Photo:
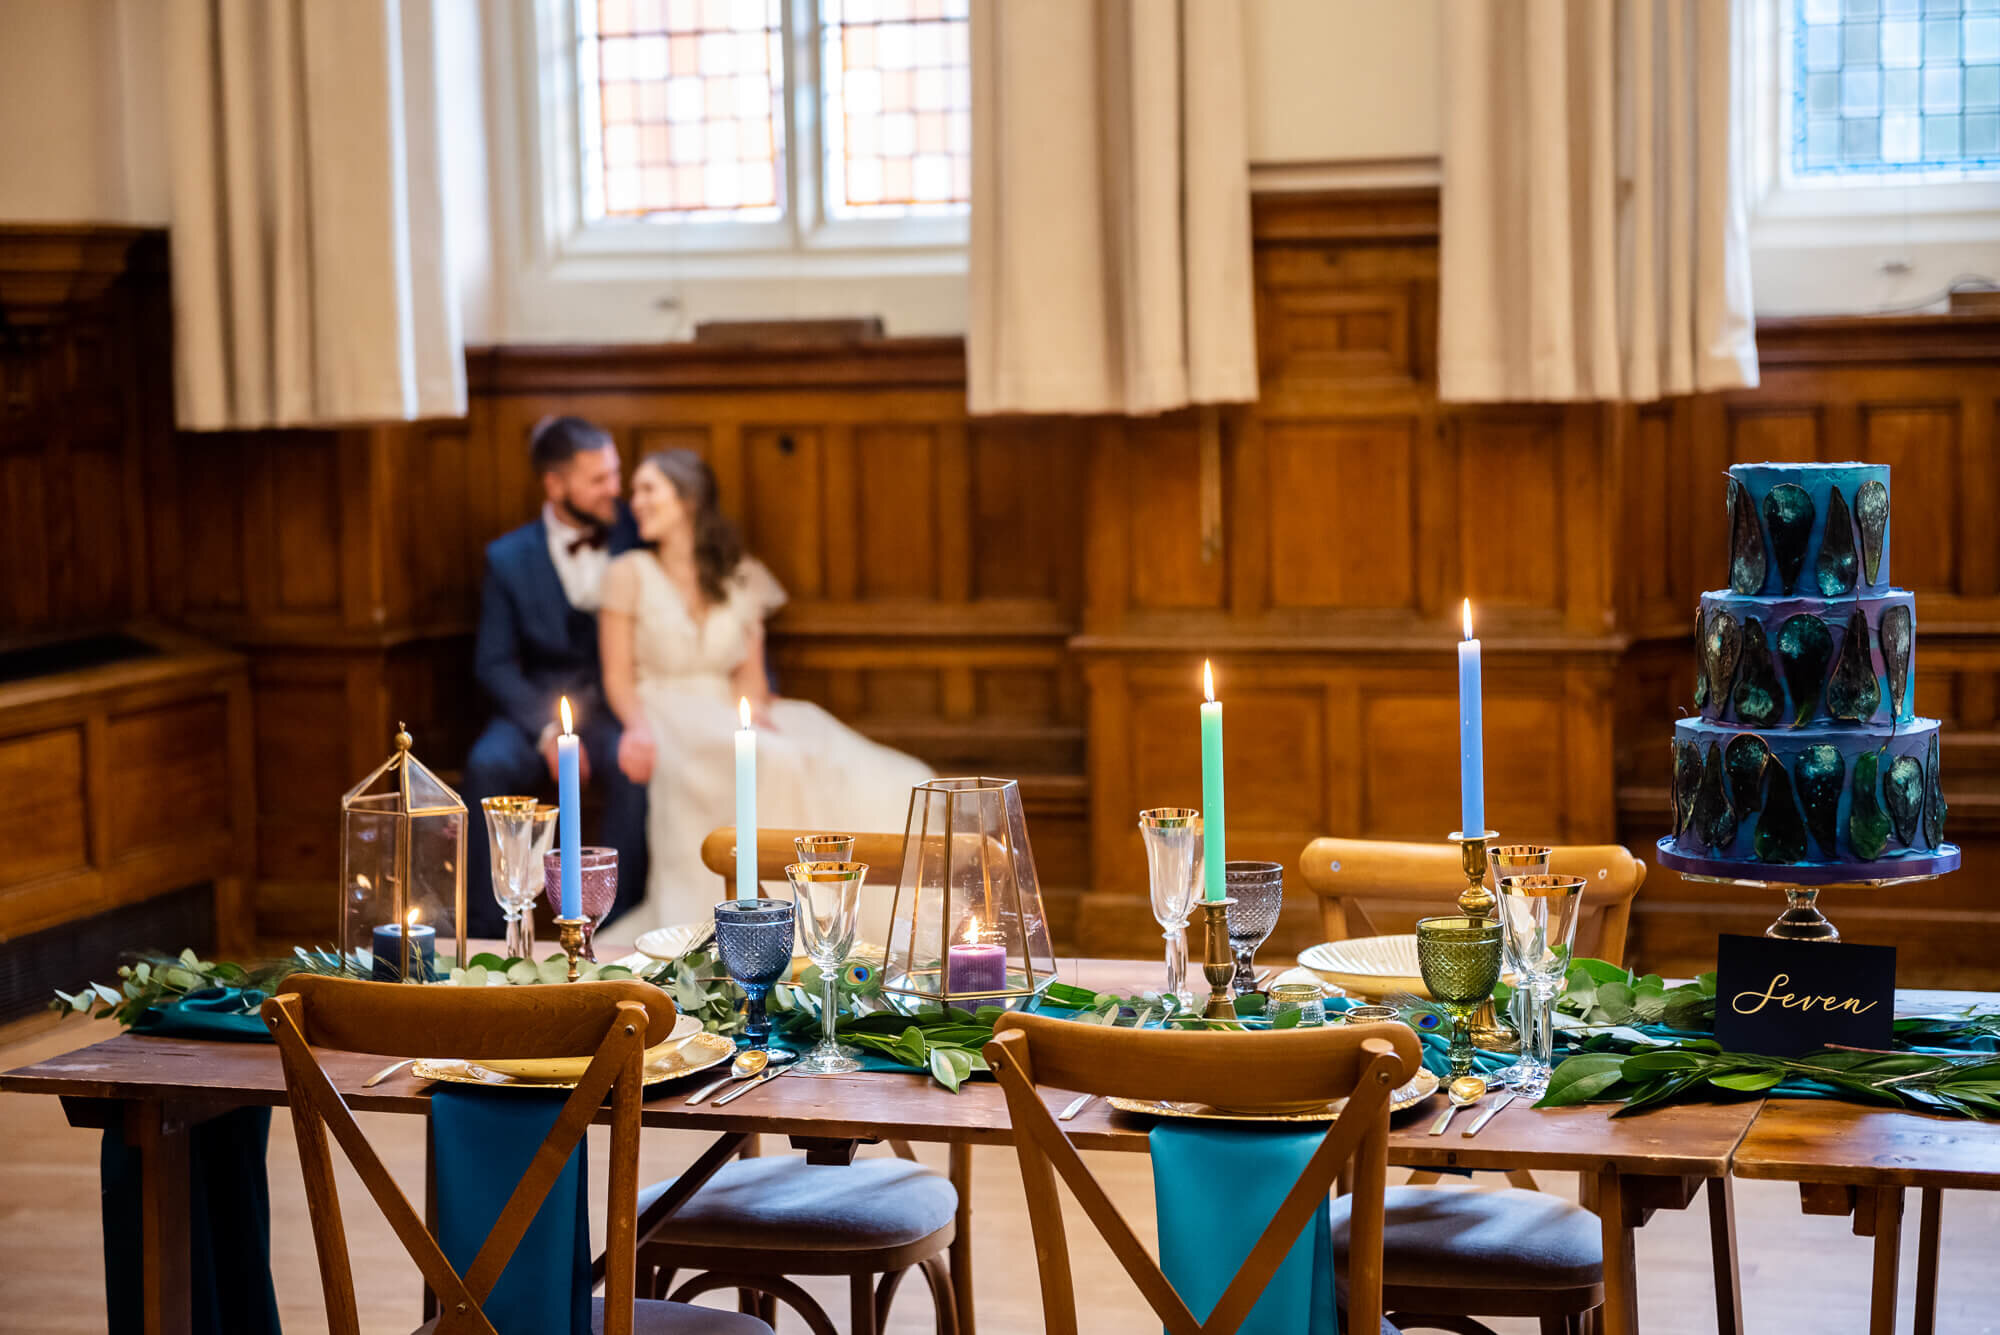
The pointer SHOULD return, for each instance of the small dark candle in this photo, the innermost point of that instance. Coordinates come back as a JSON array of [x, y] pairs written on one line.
[[389, 951]]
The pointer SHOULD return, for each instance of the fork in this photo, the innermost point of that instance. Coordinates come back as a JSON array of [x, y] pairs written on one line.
[[1082, 1101]]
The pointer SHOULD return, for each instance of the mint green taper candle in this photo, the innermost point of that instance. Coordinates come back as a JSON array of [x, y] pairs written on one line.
[[1212, 840]]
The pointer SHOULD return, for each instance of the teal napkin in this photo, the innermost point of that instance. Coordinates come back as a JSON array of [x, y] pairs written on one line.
[[1215, 1189], [228, 1013], [482, 1142]]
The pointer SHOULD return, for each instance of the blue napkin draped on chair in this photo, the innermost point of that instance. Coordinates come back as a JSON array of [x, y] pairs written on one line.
[[482, 1141], [1215, 1189]]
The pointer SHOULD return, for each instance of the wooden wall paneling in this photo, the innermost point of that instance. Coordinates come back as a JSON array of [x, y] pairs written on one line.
[[1341, 520]]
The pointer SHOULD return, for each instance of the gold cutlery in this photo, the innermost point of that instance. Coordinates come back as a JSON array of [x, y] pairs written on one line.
[[764, 1079], [1076, 1106], [1488, 1115], [1461, 1093], [385, 1073]]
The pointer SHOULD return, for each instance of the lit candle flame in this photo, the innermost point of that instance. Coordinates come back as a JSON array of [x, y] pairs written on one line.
[[568, 726], [1466, 609], [1208, 681], [972, 931], [743, 709], [410, 918]]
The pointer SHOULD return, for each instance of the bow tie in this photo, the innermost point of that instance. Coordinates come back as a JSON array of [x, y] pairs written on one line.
[[595, 538]]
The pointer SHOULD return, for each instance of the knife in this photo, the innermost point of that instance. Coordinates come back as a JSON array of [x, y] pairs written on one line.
[[764, 1079], [1488, 1115]]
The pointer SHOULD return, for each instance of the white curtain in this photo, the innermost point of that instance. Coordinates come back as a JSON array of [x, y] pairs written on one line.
[[1594, 228], [309, 270], [1110, 207]]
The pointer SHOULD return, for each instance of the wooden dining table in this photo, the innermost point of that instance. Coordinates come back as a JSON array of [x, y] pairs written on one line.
[[156, 1088]]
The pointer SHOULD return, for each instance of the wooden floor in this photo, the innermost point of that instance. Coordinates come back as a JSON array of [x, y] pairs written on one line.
[[1800, 1274]]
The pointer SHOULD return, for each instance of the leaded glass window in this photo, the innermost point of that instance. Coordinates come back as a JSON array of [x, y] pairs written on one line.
[[1883, 87], [688, 109]]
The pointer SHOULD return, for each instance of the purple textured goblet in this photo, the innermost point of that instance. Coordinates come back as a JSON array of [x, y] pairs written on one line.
[[599, 891]]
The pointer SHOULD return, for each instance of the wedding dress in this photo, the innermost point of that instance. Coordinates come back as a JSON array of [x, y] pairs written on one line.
[[813, 772]]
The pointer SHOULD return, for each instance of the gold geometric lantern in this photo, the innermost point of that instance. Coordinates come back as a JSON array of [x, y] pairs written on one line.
[[967, 928], [402, 871]]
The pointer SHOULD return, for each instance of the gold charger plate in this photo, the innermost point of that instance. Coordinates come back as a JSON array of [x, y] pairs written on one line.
[[697, 1053], [1420, 1087], [572, 1068]]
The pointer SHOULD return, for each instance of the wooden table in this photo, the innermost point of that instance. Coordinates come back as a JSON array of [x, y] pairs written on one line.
[[1849, 1159], [156, 1088], [1853, 1160]]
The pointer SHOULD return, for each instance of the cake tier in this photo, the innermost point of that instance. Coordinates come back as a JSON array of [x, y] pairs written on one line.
[[1759, 666], [1809, 529], [1841, 800]]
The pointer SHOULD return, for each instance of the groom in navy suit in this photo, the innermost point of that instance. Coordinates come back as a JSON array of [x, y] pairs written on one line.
[[537, 643]]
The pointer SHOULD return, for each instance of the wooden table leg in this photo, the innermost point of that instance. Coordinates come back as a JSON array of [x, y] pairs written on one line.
[[1722, 1243], [1888, 1252], [1929, 1219], [1620, 1313], [166, 1284], [961, 1243]]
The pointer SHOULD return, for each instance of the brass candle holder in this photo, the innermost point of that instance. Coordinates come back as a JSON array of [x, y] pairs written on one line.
[[1477, 900], [569, 932], [1218, 964]]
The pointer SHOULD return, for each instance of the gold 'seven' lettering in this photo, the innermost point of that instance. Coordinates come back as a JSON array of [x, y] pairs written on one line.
[[1758, 1000]]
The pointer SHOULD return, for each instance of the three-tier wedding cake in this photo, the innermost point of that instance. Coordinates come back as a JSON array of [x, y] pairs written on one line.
[[1806, 761]]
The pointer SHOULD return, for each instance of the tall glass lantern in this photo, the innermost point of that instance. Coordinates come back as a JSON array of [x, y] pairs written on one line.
[[402, 871], [967, 928]]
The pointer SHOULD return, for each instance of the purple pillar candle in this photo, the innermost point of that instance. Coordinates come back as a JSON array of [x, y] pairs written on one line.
[[975, 968]]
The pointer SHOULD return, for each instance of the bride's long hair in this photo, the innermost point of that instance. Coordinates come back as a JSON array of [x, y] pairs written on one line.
[[718, 547]]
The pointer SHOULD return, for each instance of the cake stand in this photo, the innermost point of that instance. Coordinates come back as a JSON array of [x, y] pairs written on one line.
[[1802, 919]]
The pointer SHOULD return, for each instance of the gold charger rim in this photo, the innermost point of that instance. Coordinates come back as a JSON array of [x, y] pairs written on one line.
[[572, 1068], [714, 1049], [1420, 1087]]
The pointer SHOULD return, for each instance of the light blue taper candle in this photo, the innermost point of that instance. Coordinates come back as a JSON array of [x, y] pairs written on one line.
[[1471, 735], [569, 815], [1212, 843]]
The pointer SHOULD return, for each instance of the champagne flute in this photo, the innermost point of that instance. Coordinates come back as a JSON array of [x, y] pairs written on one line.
[[1459, 957], [1173, 851], [1538, 918], [827, 896]]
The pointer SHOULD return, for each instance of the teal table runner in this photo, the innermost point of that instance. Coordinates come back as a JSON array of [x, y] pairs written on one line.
[[483, 1141], [1215, 1189]]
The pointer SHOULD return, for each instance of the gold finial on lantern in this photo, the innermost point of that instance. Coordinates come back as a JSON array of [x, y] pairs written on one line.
[[402, 735]]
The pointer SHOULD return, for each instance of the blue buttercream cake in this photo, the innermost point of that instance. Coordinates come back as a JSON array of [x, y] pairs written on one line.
[[1805, 760]]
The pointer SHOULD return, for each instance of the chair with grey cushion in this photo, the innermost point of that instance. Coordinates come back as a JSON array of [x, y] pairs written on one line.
[[759, 1221], [1450, 1255]]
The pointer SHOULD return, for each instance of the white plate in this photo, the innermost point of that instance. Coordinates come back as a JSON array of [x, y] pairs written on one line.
[[1368, 966], [670, 943]]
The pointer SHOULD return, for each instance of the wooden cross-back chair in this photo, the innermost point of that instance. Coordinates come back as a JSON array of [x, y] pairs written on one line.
[[613, 1023], [1363, 1064], [882, 852], [1375, 887]]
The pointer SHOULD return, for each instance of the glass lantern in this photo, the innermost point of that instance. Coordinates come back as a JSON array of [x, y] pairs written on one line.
[[967, 928], [402, 872]]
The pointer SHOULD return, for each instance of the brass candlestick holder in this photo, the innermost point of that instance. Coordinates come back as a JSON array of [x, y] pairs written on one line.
[[569, 932], [1477, 900], [1218, 965]]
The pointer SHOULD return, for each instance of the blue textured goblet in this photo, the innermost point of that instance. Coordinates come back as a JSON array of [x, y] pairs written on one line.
[[754, 937]]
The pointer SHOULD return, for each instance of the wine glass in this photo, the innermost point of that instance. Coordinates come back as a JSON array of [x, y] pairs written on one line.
[[1173, 851], [754, 938], [599, 889], [1517, 860], [1460, 961], [824, 847], [1538, 923], [827, 896], [1258, 889], [519, 831]]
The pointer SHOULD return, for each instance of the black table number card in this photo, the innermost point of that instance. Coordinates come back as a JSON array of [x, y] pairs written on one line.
[[1782, 998]]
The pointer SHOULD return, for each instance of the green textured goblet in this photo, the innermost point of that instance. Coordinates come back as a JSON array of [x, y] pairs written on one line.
[[1460, 961]]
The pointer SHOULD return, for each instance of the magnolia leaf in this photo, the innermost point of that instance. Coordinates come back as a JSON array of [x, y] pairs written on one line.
[[1581, 1078], [943, 1071], [523, 972], [1288, 1019], [1615, 1000], [1748, 1082], [1653, 1063], [487, 959]]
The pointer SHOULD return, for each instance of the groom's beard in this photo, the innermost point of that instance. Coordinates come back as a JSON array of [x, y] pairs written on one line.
[[578, 519]]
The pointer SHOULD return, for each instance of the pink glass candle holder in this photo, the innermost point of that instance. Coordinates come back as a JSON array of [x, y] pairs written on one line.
[[600, 888]]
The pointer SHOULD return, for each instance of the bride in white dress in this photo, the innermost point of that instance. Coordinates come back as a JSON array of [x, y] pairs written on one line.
[[681, 638]]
